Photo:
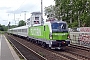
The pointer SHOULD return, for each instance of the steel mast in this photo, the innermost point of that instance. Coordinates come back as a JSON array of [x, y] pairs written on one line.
[[41, 12]]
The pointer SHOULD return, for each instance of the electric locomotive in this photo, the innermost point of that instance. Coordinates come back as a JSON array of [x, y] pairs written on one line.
[[53, 34]]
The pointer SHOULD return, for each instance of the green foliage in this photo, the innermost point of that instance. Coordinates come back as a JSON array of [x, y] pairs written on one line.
[[21, 23], [3, 28], [13, 26], [1, 32], [50, 11], [88, 21], [75, 12]]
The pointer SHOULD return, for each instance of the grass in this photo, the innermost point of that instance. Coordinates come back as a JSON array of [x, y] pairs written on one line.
[[2, 32]]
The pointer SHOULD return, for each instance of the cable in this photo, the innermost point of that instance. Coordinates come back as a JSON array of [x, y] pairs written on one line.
[[20, 5]]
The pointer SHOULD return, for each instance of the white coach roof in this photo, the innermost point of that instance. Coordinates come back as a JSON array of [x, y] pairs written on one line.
[[22, 27]]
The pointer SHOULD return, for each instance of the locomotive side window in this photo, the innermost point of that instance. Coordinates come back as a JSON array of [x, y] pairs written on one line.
[[44, 28]]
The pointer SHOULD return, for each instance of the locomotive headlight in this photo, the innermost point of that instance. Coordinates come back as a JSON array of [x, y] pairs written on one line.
[[63, 42], [68, 36], [51, 42], [50, 37]]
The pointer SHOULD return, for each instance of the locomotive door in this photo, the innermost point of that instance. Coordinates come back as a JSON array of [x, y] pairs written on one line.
[[44, 32]]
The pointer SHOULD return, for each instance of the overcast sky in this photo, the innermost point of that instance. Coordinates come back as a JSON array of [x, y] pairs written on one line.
[[9, 7]]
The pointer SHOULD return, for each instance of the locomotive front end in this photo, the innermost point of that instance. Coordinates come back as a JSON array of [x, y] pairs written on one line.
[[59, 36]]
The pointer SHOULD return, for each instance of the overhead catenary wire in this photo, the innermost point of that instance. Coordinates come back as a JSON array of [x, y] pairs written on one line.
[[20, 5], [17, 10]]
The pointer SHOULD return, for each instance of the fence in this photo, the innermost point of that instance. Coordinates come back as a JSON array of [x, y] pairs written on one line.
[[80, 38]]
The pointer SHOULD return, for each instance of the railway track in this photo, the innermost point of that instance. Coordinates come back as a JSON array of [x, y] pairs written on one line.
[[49, 57], [54, 55], [25, 52], [80, 47], [73, 54], [17, 51], [83, 52]]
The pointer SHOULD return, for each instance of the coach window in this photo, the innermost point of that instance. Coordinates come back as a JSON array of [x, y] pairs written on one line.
[[18, 30], [25, 30], [22, 30]]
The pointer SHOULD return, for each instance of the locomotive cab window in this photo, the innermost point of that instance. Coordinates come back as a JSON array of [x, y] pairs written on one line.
[[59, 27]]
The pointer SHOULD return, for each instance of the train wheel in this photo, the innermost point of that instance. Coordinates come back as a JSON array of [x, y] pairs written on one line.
[[47, 46], [43, 44], [36, 42]]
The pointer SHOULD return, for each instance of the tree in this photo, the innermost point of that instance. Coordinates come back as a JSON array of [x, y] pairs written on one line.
[[21, 23], [75, 12], [3, 28], [50, 11], [13, 26]]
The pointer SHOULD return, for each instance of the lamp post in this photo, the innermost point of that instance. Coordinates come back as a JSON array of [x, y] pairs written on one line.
[[25, 15], [14, 19]]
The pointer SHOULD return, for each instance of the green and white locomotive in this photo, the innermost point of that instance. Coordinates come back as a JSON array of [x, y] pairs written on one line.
[[52, 34]]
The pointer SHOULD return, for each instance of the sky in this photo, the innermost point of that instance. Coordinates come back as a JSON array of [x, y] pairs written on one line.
[[9, 7]]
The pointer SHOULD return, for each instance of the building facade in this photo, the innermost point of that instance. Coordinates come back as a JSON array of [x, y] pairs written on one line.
[[34, 19]]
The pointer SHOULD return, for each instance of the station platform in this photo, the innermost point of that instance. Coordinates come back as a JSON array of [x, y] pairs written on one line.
[[6, 50]]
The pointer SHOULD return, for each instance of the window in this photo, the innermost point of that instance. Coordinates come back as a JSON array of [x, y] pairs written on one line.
[[36, 18], [44, 28], [58, 26], [36, 22]]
